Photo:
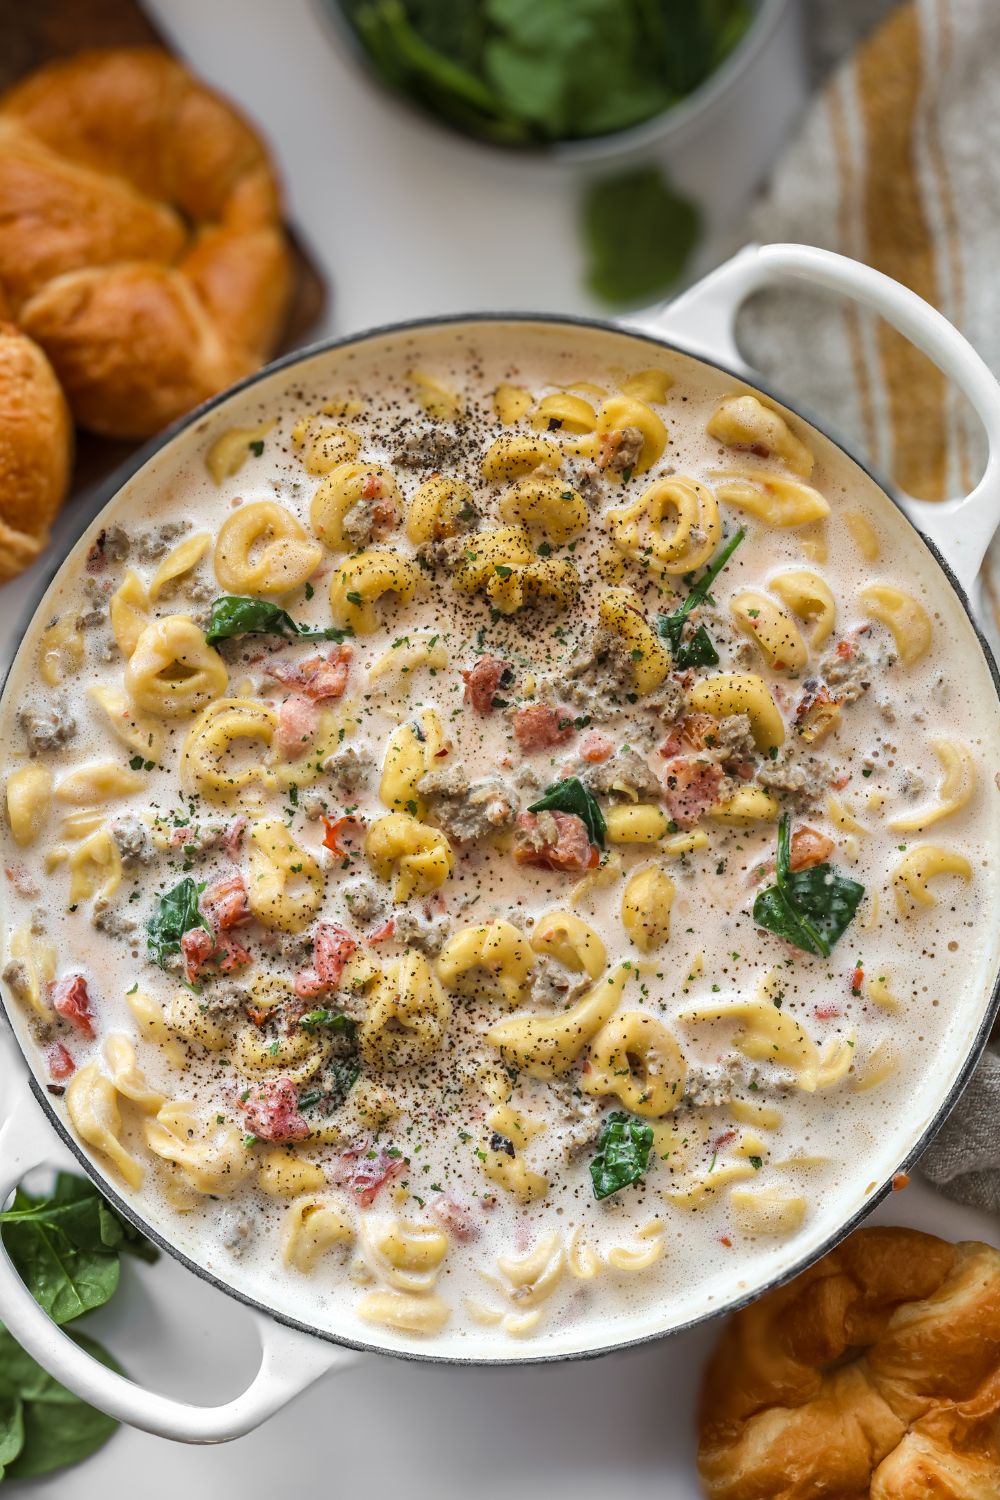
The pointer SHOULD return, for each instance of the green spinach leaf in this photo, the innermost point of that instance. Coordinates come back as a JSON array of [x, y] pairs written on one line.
[[235, 614], [11, 1430], [811, 909], [571, 796], [638, 234], [328, 1020], [699, 650], [622, 1154], [177, 912], [65, 1247], [57, 1428]]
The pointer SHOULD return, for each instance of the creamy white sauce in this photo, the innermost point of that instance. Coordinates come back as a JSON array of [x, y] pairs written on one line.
[[937, 962]]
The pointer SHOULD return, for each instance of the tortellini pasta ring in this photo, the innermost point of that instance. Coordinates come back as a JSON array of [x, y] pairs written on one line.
[[418, 858], [772, 498], [635, 1057], [98, 781], [563, 412], [138, 732], [324, 445], [546, 505], [619, 412], [210, 1155], [29, 796], [771, 628], [919, 866], [741, 693], [285, 887], [221, 727], [646, 902], [547, 1046], [810, 597], [958, 784], [60, 651], [410, 752], [92, 1106], [572, 942], [439, 508], [345, 487], [618, 611], [745, 422], [672, 527], [311, 1227], [493, 958], [406, 1252], [515, 454], [263, 549], [908, 621], [173, 672], [361, 581], [407, 1017]]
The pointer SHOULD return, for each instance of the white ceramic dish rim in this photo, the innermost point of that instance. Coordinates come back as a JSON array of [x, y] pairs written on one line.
[[700, 324]]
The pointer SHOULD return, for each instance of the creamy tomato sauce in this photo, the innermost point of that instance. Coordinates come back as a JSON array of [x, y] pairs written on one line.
[[357, 1028]]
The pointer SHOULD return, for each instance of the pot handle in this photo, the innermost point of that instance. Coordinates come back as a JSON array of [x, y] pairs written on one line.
[[703, 320], [290, 1360]]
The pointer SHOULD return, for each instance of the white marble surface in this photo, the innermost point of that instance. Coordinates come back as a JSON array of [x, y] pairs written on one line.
[[407, 222]]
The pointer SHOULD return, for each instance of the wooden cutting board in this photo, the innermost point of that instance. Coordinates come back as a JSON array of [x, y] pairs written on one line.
[[32, 32]]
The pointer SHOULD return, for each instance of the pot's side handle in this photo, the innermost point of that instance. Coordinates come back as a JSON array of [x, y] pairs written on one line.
[[703, 320], [290, 1361]]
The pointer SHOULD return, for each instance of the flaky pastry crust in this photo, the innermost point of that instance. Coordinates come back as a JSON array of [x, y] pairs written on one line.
[[141, 243], [36, 448], [875, 1375]]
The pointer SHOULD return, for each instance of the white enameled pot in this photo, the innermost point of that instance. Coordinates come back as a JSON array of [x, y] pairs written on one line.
[[697, 328]]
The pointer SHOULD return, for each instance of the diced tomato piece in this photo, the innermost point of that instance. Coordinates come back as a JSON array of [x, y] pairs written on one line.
[[69, 998], [298, 720], [382, 934], [482, 682], [307, 984], [839, 782], [59, 1063], [843, 650], [555, 840], [197, 947], [338, 829], [826, 1012], [725, 1240], [22, 880], [318, 678], [272, 1111], [364, 1171], [596, 746], [332, 947], [694, 732], [857, 980], [539, 726], [808, 848], [229, 953], [234, 836], [454, 1216], [723, 1139], [690, 788], [372, 487], [226, 903]]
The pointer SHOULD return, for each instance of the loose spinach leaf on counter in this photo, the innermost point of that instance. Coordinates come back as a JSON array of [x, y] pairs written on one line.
[[571, 796], [638, 233], [234, 614], [66, 1246], [43, 1426], [329, 1020], [622, 1154], [811, 909], [176, 913], [700, 650]]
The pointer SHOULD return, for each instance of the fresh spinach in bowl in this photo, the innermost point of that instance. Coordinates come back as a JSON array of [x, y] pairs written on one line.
[[530, 72]]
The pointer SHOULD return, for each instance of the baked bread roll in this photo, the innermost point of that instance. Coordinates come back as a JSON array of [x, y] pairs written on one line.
[[875, 1375], [141, 243], [36, 449]]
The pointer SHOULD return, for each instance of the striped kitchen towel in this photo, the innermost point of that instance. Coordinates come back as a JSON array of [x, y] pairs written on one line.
[[898, 164]]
